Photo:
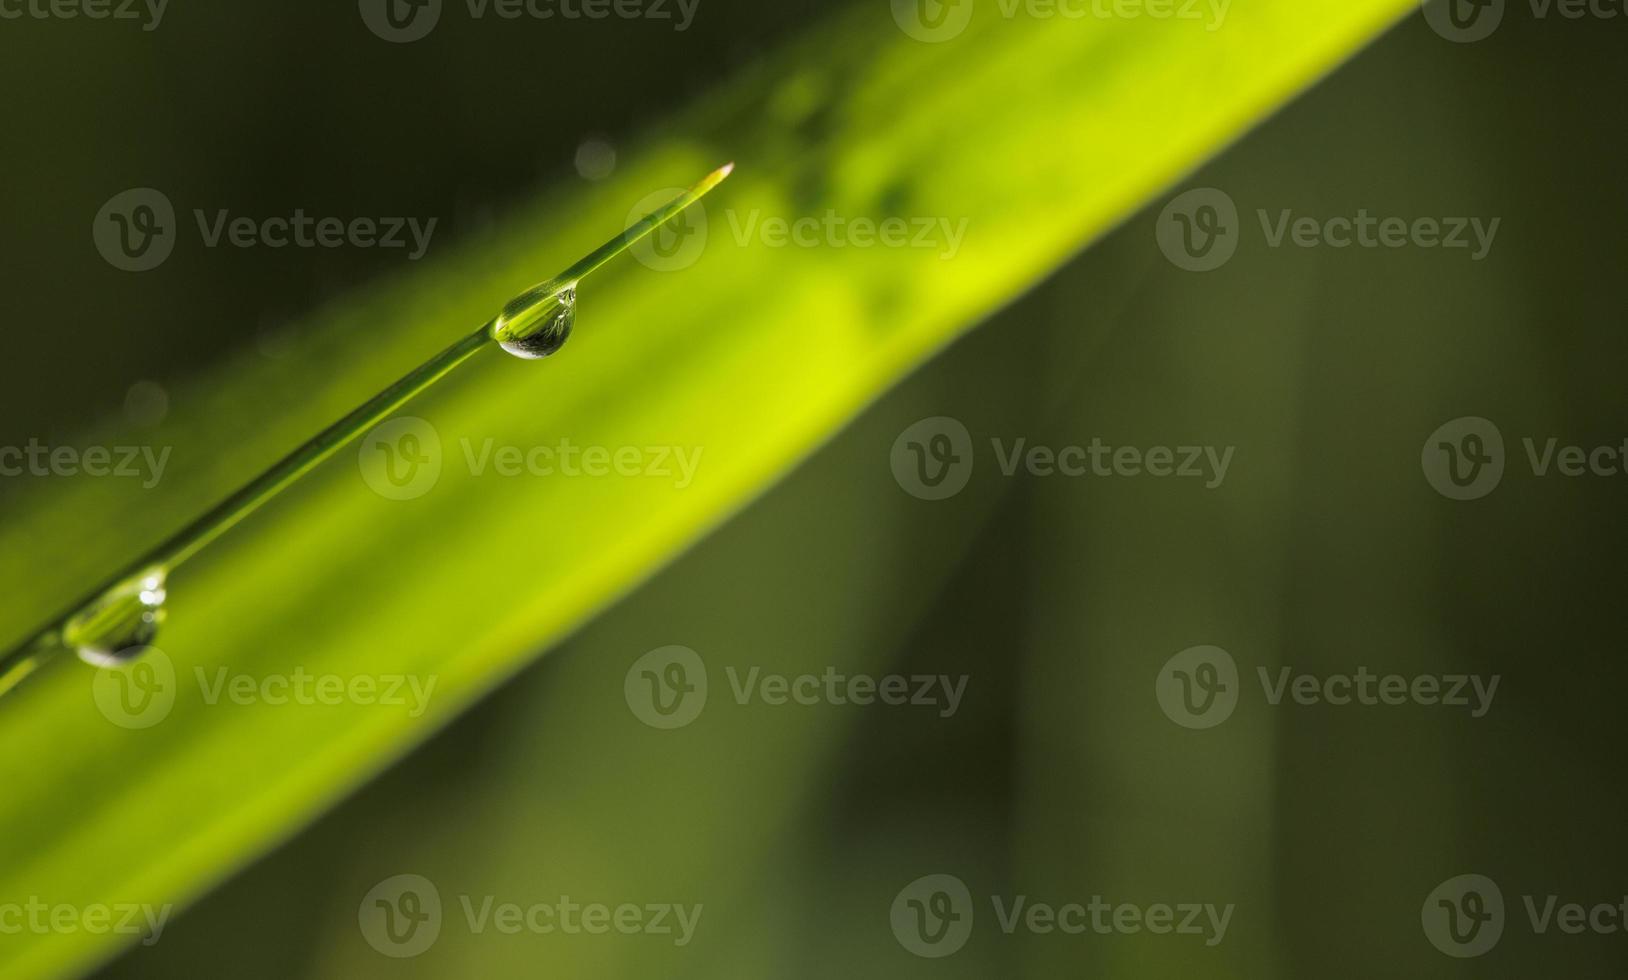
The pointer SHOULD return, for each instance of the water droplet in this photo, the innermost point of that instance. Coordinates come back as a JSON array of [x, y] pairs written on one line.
[[120, 624], [538, 322]]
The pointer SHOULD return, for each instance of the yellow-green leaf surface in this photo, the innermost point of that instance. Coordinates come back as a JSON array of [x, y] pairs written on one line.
[[1037, 133]]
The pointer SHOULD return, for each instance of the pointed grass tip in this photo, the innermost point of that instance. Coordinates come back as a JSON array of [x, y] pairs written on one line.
[[643, 227]]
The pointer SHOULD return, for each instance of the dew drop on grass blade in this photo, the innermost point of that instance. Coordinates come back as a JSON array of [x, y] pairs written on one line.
[[121, 618]]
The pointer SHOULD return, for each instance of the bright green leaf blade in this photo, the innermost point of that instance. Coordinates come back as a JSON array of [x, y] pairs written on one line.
[[1039, 133]]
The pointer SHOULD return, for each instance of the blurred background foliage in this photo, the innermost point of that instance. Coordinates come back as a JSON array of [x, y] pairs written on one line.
[[1059, 778]]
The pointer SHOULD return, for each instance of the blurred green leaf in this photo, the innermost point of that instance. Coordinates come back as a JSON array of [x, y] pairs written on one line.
[[1038, 134]]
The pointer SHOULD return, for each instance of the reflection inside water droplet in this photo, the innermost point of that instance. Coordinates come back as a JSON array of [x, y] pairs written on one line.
[[118, 626], [538, 322]]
